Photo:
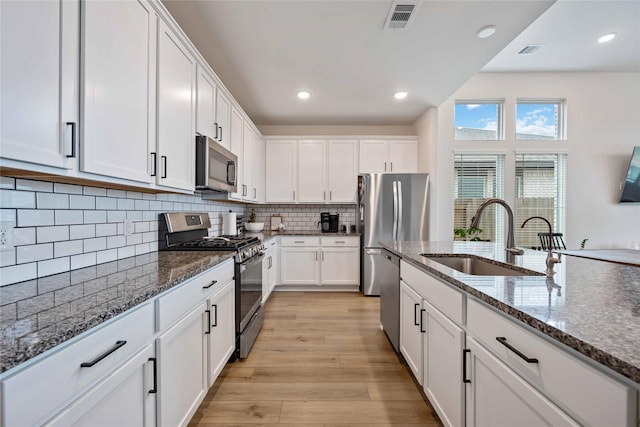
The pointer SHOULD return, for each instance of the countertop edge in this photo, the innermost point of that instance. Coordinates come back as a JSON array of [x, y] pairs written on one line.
[[625, 369]]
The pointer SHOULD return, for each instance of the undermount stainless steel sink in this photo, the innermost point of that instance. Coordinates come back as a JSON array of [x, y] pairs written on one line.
[[477, 266]]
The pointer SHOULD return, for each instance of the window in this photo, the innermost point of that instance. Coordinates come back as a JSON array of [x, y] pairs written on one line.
[[539, 119], [479, 177], [540, 191], [478, 120]]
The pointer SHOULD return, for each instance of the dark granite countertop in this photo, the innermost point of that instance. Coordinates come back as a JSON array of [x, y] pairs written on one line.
[[37, 315], [596, 310]]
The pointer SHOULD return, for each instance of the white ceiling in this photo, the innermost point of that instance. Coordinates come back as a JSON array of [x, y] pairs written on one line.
[[265, 51]]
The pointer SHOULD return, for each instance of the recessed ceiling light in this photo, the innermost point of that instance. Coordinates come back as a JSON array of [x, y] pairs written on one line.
[[400, 95], [303, 94], [485, 32], [607, 38]]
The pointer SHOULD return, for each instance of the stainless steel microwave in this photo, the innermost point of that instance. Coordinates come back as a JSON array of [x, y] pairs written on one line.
[[215, 166]]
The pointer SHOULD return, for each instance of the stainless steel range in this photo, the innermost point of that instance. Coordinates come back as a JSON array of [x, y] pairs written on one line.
[[189, 232]]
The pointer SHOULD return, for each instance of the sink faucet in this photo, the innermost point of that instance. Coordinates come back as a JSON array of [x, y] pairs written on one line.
[[551, 260], [511, 249]]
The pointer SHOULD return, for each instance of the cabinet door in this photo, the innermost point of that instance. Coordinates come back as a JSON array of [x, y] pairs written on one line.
[[223, 118], [299, 266], [248, 154], [119, 89], [373, 156], [176, 108], [341, 171], [412, 328], [259, 168], [237, 145], [206, 99], [125, 398], [182, 369], [443, 345], [311, 172], [403, 156], [274, 271], [340, 266], [281, 171], [222, 336], [496, 396], [39, 47], [266, 270]]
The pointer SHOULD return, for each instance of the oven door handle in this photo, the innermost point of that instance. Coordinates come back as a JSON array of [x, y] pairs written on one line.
[[257, 258]]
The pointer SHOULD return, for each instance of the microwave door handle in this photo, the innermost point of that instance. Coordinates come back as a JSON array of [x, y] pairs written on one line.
[[231, 172]]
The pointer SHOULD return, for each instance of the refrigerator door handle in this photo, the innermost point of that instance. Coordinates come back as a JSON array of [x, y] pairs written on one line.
[[395, 210], [400, 203]]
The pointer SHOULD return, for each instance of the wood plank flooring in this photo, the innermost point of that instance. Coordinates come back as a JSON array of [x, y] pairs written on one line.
[[320, 360]]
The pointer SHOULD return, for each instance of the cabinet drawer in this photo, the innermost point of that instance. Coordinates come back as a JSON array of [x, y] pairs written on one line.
[[290, 241], [590, 396], [334, 241], [36, 393], [175, 303], [442, 296]]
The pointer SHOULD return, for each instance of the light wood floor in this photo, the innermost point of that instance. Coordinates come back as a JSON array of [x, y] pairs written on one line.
[[320, 360]]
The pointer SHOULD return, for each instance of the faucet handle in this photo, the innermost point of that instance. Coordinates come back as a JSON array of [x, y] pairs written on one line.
[[515, 251]]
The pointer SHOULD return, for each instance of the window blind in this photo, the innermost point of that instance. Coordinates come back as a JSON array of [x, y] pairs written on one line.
[[540, 191], [478, 177]]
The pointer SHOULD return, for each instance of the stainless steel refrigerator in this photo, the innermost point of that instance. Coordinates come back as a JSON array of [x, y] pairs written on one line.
[[390, 207]]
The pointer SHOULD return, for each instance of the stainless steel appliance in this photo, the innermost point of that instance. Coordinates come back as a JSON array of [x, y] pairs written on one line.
[[329, 222], [390, 207], [188, 232], [215, 166], [389, 280]]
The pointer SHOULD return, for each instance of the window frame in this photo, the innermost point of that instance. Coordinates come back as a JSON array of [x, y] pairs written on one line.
[[561, 128], [500, 127]]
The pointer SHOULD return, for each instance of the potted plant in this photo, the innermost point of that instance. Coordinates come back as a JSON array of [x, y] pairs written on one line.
[[471, 234], [252, 225]]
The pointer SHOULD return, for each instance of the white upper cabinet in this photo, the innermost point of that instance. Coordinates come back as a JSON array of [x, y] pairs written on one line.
[[311, 172], [223, 118], [206, 116], [388, 156], [281, 171], [176, 112], [247, 158], [39, 81], [237, 148], [342, 171], [118, 89], [259, 169]]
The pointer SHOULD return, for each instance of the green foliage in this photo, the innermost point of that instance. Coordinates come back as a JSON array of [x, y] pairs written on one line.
[[252, 215], [583, 243], [470, 234]]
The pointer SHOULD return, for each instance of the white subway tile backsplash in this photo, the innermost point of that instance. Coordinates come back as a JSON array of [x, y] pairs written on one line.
[[52, 201], [116, 242], [141, 227], [70, 247], [106, 256], [126, 252], [31, 253], [7, 182], [30, 185], [116, 193], [106, 230], [18, 273], [84, 260], [149, 215], [149, 237], [24, 236], [53, 266], [8, 215], [155, 205], [52, 234], [35, 218], [94, 191], [67, 188], [134, 195], [96, 244], [95, 217], [142, 248], [106, 203], [116, 216], [82, 202], [67, 217], [82, 231], [7, 257], [141, 205], [134, 239], [134, 215], [17, 199], [126, 204]]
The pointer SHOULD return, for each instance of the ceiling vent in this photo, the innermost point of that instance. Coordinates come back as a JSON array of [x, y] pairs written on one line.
[[530, 49], [401, 14]]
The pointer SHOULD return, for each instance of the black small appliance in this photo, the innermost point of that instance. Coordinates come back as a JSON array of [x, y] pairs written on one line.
[[329, 222]]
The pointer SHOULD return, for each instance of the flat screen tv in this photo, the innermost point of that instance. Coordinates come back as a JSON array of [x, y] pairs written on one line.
[[631, 190]]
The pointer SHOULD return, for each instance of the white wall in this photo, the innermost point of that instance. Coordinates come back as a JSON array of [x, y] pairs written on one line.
[[603, 125]]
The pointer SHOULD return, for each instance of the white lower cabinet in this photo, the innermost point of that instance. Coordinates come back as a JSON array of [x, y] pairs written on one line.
[[222, 337], [411, 329], [270, 268], [126, 398], [499, 397], [332, 262]]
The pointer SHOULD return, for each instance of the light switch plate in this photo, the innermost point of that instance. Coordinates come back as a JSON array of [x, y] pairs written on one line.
[[128, 227]]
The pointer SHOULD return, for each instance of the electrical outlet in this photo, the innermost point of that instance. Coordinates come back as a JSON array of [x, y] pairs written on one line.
[[6, 235], [128, 227]]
